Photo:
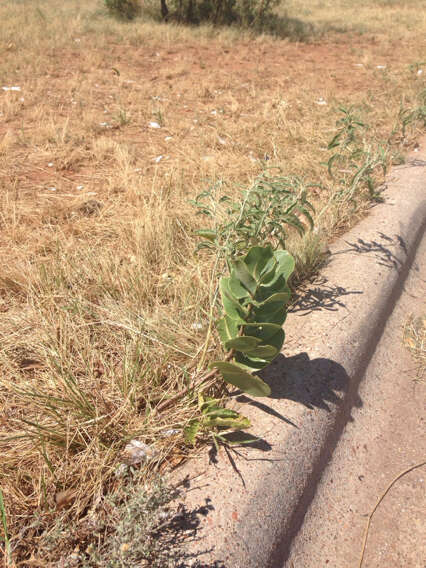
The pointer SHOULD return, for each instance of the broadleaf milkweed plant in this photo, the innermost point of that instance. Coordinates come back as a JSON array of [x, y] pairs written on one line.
[[248, 238]]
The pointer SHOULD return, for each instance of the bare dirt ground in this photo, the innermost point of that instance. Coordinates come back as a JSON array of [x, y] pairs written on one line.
[[210, 98]]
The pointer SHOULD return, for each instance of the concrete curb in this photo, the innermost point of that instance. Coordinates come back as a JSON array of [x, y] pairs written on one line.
[[256, 500]]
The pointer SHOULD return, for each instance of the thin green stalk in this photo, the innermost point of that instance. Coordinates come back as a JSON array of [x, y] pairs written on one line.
[[209, 331], [7, 545]]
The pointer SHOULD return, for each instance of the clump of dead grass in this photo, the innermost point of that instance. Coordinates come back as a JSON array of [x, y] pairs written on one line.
[[414, 338]]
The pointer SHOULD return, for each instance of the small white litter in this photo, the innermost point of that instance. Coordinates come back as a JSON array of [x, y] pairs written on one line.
[[321, 101], [79, 187], [11, 88], [154, 125], [167, 138], [168, 433], [50, 165], [158, 159], [380, 66], [51, 188], [420, 71], [197, 326], [137, 452]]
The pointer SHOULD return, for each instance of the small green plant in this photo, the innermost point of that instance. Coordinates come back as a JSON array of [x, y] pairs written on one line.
[[248, 238], [254, 297], [122, 117], [124, 9], [159, 117], [408, 116], [354, 164], [215, 420], [267, 210]]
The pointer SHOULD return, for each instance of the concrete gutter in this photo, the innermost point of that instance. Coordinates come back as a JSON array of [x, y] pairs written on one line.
[[253, 503]]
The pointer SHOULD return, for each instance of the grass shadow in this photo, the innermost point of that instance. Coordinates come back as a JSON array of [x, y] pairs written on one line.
[[277, 25], [286, 27]]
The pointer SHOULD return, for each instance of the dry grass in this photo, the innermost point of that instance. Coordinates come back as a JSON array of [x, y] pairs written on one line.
[[415, 340], [103, 304]]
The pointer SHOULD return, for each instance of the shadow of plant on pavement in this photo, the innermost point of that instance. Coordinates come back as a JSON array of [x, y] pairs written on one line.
[[313, 383], [380, 249], [319, 296]]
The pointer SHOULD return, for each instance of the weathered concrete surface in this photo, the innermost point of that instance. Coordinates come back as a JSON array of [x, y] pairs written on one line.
[[385, 437], [257, 500]]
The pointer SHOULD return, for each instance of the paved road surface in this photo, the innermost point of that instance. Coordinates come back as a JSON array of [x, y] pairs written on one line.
[[386, 436]]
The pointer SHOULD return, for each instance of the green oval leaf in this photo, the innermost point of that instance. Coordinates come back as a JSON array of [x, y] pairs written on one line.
[[271, 313], [266, 352], [236, 289], [208, 234], [228, 328], [240, 270], [250, 364], [262, 330], [231, 305], [219, 412], [241, 379], [282, 297], [257, 260], [269, 333], [243, 343], [240, 423]]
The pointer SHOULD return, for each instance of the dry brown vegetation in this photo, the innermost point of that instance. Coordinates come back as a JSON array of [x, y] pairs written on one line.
[[415, 340], [103, 302]]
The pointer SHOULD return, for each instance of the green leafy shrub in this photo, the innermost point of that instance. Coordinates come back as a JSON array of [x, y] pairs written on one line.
[[264, 214], [241, 12], [354, 165], [254, 298], [248, 238], [410, 116], [215, 420], [124, 9]]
